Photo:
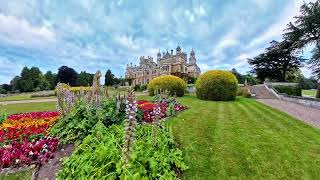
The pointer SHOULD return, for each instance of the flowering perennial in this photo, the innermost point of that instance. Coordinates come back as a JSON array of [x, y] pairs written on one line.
[[20, 153], [148, 109]]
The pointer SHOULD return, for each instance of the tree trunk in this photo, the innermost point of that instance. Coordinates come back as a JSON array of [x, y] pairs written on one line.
[[318, 90]]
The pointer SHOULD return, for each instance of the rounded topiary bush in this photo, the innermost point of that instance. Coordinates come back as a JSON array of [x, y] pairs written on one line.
[[173, 84], [217, 85]]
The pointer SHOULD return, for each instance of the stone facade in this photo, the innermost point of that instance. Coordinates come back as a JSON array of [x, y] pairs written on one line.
[[167, 64]]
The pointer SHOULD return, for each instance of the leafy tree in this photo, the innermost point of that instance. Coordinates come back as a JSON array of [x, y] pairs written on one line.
[[305, 30], [294, 76], [85, 79], [67, 75], [6, 87], [238, 76], [15, 83], [251, 80], [278, 59], [109, 78], [308, 83], [30, 79], [52, 79], [129, 80]]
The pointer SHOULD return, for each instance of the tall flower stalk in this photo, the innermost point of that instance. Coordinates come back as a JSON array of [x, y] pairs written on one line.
[[130, 127]]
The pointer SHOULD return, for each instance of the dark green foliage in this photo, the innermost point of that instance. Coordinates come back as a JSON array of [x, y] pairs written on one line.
[[239, 76], [274, 64], [136, 87], [289, 90], [304, 31], [6, 87], [2, 91], [109, 78], [80, 121], [67, 75], [52, 79], [84, 79], [251, 80], [143, 87], [217, 85], [308, 83], [99, 155]]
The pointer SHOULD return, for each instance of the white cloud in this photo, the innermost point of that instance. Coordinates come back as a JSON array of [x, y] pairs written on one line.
[[276, 29], [242, 59], [230, 39], [203, 67], [9, 69], [20, 32]]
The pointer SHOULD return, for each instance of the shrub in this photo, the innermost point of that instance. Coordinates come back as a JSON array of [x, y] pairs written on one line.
[[136, 87], [3, 91], [83, 117], [43, 94], [173, 84], [217, 85], [244, 92], [289, 90], [143, 87]]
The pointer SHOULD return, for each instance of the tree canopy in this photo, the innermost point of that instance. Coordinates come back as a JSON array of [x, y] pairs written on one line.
[[67, 75], [276, 62]]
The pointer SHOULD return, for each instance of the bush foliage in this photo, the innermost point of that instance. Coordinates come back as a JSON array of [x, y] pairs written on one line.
[[289, 90], [244, 92], [217, 85], [173, 84], [99, 156]]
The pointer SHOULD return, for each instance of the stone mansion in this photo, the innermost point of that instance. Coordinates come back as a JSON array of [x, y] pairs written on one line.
[[167, 64]]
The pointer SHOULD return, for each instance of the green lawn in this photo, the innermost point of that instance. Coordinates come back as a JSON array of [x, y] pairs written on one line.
[[309, 93], [245, 139], [28, 107], [21, 97]]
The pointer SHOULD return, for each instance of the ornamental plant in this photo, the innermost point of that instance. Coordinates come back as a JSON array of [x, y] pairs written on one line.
[[217, 85], [99, 156], [173, 84], [26, 152], [129, 127]]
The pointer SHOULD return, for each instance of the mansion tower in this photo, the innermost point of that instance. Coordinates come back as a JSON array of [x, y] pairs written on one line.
[[167, 64]]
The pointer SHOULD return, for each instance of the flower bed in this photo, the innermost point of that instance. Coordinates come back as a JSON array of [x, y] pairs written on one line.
[[167, 108], [25, 153], [20, 142], [22, 126]]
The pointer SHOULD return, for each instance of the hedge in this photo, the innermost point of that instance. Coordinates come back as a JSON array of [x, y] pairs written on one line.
[[289, 90], [217, 85], [173, 84]]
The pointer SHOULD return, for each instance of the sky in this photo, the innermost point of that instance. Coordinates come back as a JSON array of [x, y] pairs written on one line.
[[91, 35]]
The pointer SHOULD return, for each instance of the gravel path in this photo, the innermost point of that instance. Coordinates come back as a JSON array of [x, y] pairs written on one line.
[[307, 114]]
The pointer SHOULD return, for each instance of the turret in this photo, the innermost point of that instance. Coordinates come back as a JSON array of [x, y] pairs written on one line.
[[178, 49], [192, 58]]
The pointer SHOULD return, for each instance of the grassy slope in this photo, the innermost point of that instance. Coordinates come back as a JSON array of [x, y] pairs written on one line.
[[28, 107], [245, 139], [309, 93], [22, 97]]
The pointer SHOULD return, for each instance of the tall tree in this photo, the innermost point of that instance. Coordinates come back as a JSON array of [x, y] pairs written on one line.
[[51, 78], [276, 61], [109, 78], [15, 83], [85, 79], [238, 75], [305, 30], [67, 75], [30, 79]]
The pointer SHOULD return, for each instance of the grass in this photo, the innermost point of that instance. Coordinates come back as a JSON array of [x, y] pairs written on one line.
[[28, 107], [245, 139], [21, 97], [309, 93], [20, 175]]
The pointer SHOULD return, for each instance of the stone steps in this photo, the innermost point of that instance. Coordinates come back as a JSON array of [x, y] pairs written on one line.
[[261, 92]]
